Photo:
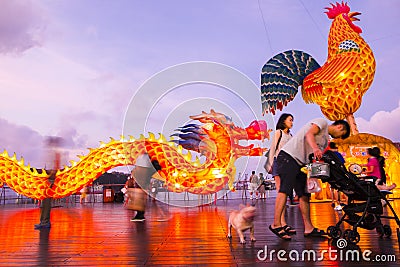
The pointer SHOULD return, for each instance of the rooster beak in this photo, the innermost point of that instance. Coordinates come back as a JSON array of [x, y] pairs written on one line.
[[352, 16]]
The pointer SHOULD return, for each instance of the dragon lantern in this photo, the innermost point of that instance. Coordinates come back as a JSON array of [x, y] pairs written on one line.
[[218, 140]]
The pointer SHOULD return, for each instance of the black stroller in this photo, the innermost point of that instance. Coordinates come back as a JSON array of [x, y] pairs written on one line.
[[364, 208]]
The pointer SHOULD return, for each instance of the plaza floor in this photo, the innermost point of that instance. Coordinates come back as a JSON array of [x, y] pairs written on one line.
[[101, 234]]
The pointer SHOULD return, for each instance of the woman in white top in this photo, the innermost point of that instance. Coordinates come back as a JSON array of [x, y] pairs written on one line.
[[281, 137]]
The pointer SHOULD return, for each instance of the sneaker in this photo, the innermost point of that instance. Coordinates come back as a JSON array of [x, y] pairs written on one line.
[[338, 207], [138, 219], [42, 226]]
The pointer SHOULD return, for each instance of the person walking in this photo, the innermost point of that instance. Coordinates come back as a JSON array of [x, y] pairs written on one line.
[[281, 137], [53, 144], [142, 173]]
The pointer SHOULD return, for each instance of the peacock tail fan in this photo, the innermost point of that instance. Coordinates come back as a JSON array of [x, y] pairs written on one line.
[[281, 77]]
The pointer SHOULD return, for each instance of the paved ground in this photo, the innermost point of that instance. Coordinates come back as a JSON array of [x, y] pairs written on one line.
[[101, 234]]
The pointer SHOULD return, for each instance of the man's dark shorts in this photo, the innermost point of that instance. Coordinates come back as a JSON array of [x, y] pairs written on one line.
[[291, 176]]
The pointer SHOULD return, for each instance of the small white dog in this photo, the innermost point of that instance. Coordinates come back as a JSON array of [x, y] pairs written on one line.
[[242, 220]]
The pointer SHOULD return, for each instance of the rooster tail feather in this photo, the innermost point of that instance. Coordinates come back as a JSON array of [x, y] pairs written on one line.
[[281, 77]]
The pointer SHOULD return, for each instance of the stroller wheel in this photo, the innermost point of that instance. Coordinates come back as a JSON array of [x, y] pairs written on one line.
[[380, 230], [353, 237], [334, 231], [387, 230]]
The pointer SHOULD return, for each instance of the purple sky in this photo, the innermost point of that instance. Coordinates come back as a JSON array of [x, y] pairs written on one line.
[[70, 68]]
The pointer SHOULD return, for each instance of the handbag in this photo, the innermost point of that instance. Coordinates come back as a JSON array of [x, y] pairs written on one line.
[[136, 199], [313, 185], [268, 154]]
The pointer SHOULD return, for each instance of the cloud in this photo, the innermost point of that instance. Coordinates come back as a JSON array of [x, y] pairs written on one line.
[[22, 26], [21, 140], [71, 138], [382, 123], [87, 128], [29, 144]]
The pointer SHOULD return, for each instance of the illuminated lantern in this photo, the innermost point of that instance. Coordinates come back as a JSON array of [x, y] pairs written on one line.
[[338, 86], [220, 144]]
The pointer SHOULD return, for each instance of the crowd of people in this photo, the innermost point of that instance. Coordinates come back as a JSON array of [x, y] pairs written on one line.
[[257, 185]]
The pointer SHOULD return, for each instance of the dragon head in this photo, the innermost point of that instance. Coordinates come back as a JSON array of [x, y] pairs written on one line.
[[258, 130], [218, 134], [343, 10]]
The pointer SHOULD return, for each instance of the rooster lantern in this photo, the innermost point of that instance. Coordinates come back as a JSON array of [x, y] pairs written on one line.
[[338, 86]]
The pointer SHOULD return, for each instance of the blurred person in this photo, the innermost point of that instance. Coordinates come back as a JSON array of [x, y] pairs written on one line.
[[53, 163], [254, 183], [262, 187], [244, 186], [84, 191], [154, 187], [124, 190], [312, 138], [142, 173]]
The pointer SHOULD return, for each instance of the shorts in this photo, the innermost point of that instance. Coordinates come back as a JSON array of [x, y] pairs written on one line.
[[253, 187], [291, 175]]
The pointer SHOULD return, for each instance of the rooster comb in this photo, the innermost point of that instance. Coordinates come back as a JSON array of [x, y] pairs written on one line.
[[337, 9]]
